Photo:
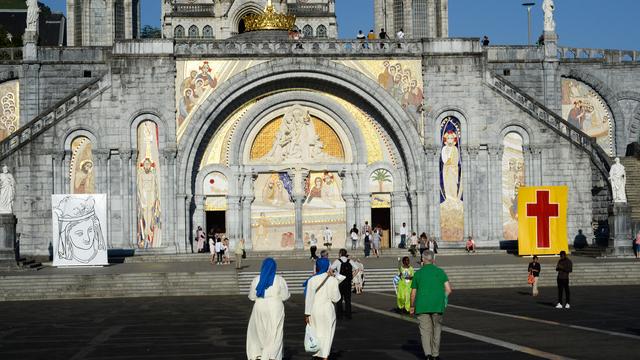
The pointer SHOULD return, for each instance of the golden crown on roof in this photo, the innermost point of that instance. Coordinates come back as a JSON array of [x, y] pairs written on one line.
[[269, 20]]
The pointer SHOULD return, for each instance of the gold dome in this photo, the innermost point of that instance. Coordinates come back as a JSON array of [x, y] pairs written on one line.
[[269, 20]]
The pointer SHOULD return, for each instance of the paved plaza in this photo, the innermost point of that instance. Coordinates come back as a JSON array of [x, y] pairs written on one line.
[[480, 324]]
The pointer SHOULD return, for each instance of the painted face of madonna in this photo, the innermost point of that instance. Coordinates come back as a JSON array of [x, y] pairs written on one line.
[[82, 235]]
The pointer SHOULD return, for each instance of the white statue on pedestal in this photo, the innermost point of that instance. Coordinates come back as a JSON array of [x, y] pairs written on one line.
[[549, 24], [32, 15], [618, 178], [7, 191]]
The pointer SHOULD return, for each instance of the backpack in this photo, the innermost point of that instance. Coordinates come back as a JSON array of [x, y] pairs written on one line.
[[346, 270]]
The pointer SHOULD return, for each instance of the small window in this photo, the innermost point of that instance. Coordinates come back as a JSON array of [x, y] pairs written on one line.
[[307, 31], [87, 73], [207, 32], [193, 31], [178, 32], [321, 32], [506, 72]]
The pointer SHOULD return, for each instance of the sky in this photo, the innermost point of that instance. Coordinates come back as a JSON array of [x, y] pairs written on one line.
[[580, 23]]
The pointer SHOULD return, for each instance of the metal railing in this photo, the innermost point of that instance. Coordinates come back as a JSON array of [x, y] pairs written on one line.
[[608, 55], [315, 46], [10, 54], [552, 120], [53, 115]]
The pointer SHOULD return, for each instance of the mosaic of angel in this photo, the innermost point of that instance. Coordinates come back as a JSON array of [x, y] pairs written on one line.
[[82, 176], [193, 88], [402, 85], [451, 199]]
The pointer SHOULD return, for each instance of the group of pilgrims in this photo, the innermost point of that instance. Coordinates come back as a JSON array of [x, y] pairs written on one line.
[[269, 291]]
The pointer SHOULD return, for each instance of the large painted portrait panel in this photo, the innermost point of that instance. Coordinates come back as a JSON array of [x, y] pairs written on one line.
[[273, 216], [148, 187], [324, 209], [451, 199], [584, 108], [512, 179], [81, 173]]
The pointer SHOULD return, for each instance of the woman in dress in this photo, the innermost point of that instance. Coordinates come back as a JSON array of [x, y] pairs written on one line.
[[377, 236], [403, 296], [265, 333], [358, 276], [200, 236], [321, 293]]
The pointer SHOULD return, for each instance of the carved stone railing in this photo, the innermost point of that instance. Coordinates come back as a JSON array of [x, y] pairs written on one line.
[[607, 55], [53, 115], [193, 10], [552, 120], [10, 54], [311, 47], [309, 9]]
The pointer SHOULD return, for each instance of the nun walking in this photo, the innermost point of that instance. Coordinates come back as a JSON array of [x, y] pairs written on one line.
[[321, 293], [265, 331]]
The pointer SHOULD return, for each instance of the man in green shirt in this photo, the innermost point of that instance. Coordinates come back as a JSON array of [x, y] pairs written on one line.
[[430, 290]]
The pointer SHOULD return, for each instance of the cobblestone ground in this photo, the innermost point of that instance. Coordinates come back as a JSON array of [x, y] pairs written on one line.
[[482, 324]]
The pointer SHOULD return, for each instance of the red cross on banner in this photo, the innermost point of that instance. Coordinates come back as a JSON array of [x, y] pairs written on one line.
[[542, 220]]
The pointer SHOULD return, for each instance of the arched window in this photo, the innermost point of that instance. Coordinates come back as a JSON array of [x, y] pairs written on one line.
[[451, 199], [178, 32], [193, 31], [512, 180], [398, 15], [207, 32], [81, 173], [321, 31], [307, 31], [419, 10]]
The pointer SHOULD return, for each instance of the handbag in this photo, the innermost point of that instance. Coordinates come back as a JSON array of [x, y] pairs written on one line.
[[244, 254], [311, 344], [531, 279]]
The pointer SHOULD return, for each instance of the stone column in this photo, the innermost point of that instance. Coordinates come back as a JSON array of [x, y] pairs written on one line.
[[8, 237], [471, 194], [495, 193], [101, 156], [413, 204], [536, 157], [66, 165], [350, 216], [133, 200], [57, 160], [433, 185], [199, 218], [552, 87], [125, 197], [29, 92], [233, 218], [364, 208], [168, 207], [299, 201], [620, 226], [246, 221]]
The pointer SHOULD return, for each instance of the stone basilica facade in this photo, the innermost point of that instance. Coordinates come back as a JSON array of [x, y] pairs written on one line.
[[274, 140]]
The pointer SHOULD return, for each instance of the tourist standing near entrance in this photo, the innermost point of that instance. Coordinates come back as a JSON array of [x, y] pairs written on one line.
[[321, 292], [219, 249], [366, 233], [534, 270], [423, 244], [327, 234], [201, 239], [212, 248], [344, 267], [239, 253], [265, 332], [313, 246], [413, 244], [564, 268], [403, 297], [375, 241], [430, 290], [403, 236], [353, 234]]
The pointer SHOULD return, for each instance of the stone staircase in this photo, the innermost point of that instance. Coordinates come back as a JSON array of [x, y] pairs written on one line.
[[552, 120], [53, 115], [481, 277], [632, 167], [59, 286]]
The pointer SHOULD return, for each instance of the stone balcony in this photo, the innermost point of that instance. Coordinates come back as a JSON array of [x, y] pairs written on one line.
[[192, 10], [310, 10]]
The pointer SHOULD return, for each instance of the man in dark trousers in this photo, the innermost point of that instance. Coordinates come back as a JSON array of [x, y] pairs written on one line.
[[343, 267], [564, 267]]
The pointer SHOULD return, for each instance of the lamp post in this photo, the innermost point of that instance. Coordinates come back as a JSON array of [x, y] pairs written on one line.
[[529, 5]]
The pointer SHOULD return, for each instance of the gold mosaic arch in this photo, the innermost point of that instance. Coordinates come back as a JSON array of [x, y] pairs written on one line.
[[266, 137]]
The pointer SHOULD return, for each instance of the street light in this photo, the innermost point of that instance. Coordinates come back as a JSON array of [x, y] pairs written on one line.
[[529, 5]]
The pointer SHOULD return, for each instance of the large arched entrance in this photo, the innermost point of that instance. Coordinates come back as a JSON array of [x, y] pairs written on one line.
[[299, 148]]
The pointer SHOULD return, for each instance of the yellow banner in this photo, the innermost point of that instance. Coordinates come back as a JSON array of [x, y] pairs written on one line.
[[542, 220]]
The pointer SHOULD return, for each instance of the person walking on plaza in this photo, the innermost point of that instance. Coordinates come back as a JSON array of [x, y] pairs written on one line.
[[313, 246], [327, 235], [564, 268], [534, 271], [353, 234], [413, 244], [403, 236], [432, 245], [239, 252], [430, 290], [375, 241], [321, 293], [265, 332], [358, 276], [200, 237], [424, 239], [403, 296], [344, 267]]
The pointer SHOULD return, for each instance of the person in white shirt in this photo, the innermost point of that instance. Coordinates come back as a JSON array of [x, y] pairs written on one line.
[[327, 234], [219, 248], [354, 237], [400, 34], [403, 236], [413, 244], [313, 246], [265, 332]]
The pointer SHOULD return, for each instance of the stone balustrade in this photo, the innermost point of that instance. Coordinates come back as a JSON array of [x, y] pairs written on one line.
[[309, 9], [10, 54], [608, 55], [53, 115], [551, 120], [193, 10]]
